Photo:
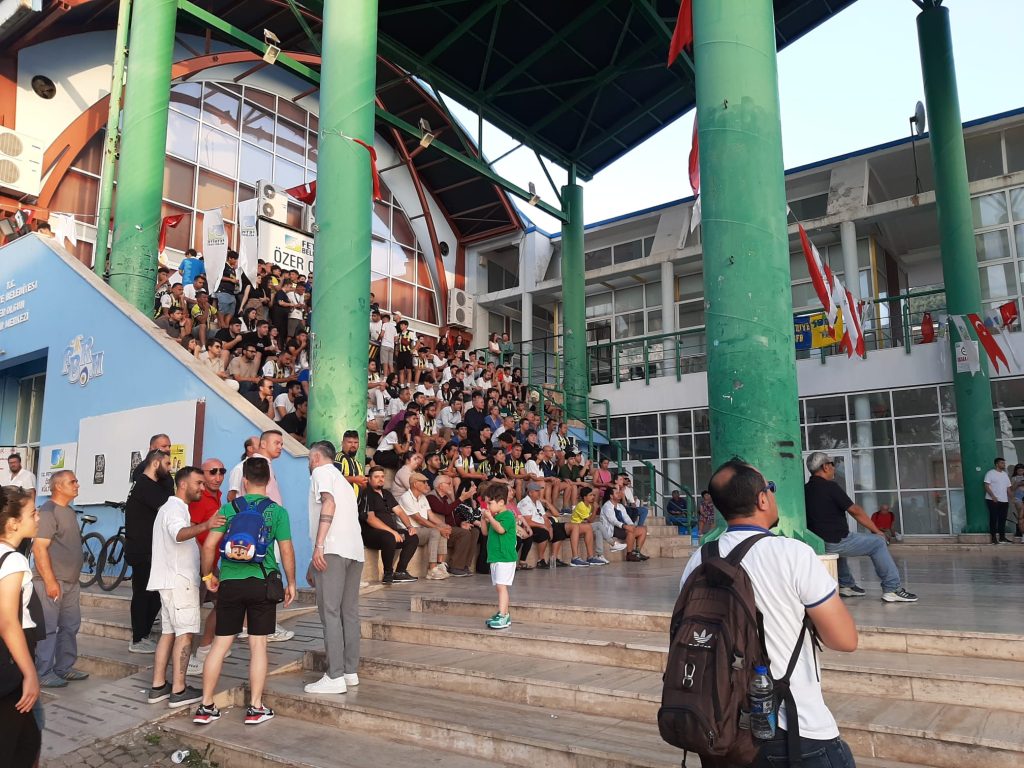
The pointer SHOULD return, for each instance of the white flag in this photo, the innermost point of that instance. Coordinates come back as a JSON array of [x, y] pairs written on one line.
[[64, 228], [966, 348], [215, 246], [695, 214], [247, 252]]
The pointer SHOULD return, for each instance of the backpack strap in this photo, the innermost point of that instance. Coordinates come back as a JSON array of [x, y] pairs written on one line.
[[785, 693]]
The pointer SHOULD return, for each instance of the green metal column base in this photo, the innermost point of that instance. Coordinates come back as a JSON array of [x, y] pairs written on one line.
[[752, 387], [574, 320], [341, 298], [133, 258], [973, 393]]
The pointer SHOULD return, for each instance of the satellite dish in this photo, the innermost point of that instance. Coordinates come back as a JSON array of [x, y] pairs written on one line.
[[919, 119]]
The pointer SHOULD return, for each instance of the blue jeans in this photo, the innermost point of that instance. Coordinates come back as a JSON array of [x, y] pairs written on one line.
[[638, 515], [859, 545], [833, 753]]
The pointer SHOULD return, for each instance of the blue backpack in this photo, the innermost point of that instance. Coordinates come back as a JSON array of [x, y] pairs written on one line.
[[248, 536]]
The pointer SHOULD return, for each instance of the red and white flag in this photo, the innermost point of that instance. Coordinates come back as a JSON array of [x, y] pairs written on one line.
[[821, 277], [694, 162], [304, 193], [682, 36], [988, 342], [853, 336], [1008, 313], [167, 222]]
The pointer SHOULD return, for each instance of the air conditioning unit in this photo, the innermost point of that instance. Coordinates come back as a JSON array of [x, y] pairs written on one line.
[[309, 219], [460, 308], [21, 163], [273, 202]]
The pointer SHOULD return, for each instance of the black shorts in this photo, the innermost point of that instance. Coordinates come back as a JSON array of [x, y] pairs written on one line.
[[245, 599], [558, 529], [404, 361], [620, 533]]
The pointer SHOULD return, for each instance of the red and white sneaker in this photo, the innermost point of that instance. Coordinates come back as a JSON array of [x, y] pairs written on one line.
[[257, 715]]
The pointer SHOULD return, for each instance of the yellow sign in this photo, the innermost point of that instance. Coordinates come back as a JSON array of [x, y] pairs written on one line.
[[820, 336], [177, 457]]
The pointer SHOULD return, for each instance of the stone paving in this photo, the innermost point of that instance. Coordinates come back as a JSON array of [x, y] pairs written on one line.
[[144, 747]]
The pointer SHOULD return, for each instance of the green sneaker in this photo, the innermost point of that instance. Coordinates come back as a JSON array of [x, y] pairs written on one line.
[[495, 617], [500, 621]]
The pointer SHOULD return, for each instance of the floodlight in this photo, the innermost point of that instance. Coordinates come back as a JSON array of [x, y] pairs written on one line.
[[428, 135], [534, 197], [273, 46]]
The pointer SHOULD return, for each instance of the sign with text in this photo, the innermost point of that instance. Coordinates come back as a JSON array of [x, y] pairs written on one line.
[[812, 332], [286, 247]]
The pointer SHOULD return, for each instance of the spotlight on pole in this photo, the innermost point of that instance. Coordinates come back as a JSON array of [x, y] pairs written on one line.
[[428, 135], [273, 46], [534, 197]]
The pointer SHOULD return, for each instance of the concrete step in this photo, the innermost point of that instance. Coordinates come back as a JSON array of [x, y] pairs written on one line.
[[632, 649], [477, 727], [293, 742], [583, 686], [943, 642], [113, 620], [109, 658]]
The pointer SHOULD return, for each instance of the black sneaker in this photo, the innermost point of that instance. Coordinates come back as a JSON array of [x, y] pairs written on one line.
[[389, 578], [157, 695], [257, 715], [899, 596], [852, 591], [183, 698], [404, 576], [458, 572], [641, 555], [560, 564], [206, 714], [543, 565]]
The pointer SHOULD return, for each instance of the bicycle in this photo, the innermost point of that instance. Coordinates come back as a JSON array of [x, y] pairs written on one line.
[[92, 553], [114, 563]]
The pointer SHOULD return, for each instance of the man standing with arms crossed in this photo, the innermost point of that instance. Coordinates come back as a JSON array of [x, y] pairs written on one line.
[[338, 565], [57, 551]]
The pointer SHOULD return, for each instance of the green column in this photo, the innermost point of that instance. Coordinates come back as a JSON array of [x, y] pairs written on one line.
[[576, 376], [752, 389], [341, 296], [959, 258], [133, 258], [110, 141]]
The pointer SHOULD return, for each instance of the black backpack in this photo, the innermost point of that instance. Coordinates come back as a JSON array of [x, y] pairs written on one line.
[[716, 640]]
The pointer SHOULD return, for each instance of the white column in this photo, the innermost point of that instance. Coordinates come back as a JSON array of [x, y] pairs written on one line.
[[668, 318], [863, 473], [851, 266]]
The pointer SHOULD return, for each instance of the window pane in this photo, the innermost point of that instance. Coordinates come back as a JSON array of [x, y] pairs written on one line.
[[984, 156], [179, 237], [262, 98], [628, 252], [599, 258], [823, 409], [676, 445], [258, 126], [1017, 203], [179, 181], [652, 293], [645, 424], [874, 470], [291, 141], [629, 299], [423, 273], [185, 98], [870, 405], [599, 305], [382, 220], [379, 289], [1018, 233], [379, 256], [925, 512], [915, 402], [691, 315], [826, 437], [702, 473], [920, 429], [215, 192], [702, 444], [220, 108], [993, 245], [182, 136], [255, 164], [989, 210], [288, 174], [403, 263], [218, 151], [401, 228], [680, 470], [1014, 138], [1008, 393], [287, 108], [921, 467], [998, 280], [654, 321], [675, 422], [403, 297], [312, 149], [869, 434], [425, 309], [947, 399], [643, 448], [618, 428], [628, 326], [700, 420]]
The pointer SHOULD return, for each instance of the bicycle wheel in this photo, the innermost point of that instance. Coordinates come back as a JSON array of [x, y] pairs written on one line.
[[114, 564], [92, 556]]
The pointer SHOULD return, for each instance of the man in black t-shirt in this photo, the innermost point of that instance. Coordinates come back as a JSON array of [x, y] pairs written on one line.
[[475, 417], [826, 507], [228, 289], [260, 338], [294, 423], [386, 528]]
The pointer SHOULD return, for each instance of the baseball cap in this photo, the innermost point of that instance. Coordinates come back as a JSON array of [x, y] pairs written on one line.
[[817, 460], [535, 486]]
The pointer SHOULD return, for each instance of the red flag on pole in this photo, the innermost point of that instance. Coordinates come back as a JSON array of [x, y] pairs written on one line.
[[821, 277], [167, 222], [1008, 313], [682, 36], [304, 193], [992, 348], [694, 166], [373, 168]]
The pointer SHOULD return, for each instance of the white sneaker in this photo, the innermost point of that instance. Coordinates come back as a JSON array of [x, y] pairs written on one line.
[[326, 685], [280, 635], [243, 635], [352, 679], [443, 566], [618, 546], [145, 645], [602, 558], [195, 666], [437, 573]]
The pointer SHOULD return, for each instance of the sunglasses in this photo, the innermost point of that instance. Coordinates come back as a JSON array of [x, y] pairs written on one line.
[[218, 471], [769, 486]]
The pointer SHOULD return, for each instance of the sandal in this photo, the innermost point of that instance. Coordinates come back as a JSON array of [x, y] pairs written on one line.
[[521, 566]]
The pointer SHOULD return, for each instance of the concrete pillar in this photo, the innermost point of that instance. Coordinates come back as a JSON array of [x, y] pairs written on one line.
[[133, 257], [341, 301], [747, 283], [669, 319], [959, 258], [576, 377], [863, 472], [851, 264], [529, 371]]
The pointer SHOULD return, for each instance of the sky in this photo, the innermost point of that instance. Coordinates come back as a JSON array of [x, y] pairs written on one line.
[[849, 84]]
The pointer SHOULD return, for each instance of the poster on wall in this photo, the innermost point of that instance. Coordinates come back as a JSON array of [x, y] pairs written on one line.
[[52, 459], [99, 469], [177, 457], [288, 248]]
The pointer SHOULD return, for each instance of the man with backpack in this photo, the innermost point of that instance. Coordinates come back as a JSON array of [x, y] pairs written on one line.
[[772, 599], [249, 586]]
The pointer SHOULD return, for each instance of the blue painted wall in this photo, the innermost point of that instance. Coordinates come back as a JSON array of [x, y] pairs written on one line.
[[138, 371]]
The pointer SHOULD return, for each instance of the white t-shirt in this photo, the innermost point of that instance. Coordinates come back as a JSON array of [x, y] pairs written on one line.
[[449, 417], [418, 510], [532, 511], [375, 329], [787, 578], [24, 479], [283, 401], [999, 482], [343, 537], [295, 313], [273, 489], [396, 406], [390, 334], [430, 392], [533, 468], [173, 560], [18, 563], [608, 516], [388, 442]]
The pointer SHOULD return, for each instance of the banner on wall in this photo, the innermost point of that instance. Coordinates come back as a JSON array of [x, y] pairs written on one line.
[[215, 246], [288, 248], [247, 238], [812, 331], [52, 459]]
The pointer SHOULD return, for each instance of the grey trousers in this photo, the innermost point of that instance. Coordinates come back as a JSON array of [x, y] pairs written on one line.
[[58, 653], [337, 598]]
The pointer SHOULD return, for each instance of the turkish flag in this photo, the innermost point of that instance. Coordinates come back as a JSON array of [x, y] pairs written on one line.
[[682, 37], [167, 222], [694, 165], [992, 348], [1008, 312], [304, 193], [373, 168]]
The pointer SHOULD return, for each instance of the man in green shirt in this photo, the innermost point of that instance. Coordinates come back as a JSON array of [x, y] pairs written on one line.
[[242, 595]]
